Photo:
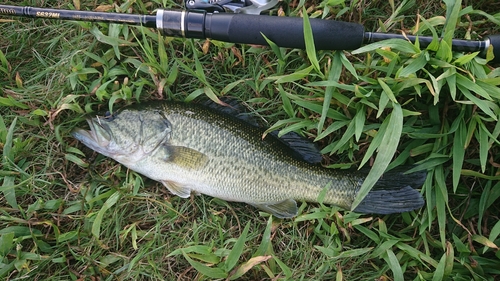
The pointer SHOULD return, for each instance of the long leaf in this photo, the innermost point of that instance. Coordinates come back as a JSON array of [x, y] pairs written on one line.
[[212, 272], [414, 66], [245, 267], [8, 157], [452, 13], [345, 137], [96, 226], [494, 233], [458, 152], [334, 75], [234, 255], [393, 262], [6, 243], [482, 104], [439, 272], [386, 152], [396, 44], [441, 202], [483, 145], [377, 140], [309, 41], [9, 192], [266, 239]]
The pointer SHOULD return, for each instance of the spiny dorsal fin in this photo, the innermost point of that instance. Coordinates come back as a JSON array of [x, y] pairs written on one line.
[[284, 209], [233, 108], [186, 157], [298, 147]]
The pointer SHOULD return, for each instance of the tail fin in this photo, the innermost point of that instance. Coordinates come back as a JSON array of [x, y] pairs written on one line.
[[394, 193]]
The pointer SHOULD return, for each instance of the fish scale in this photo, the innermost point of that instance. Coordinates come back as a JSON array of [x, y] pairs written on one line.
[[190, 148]]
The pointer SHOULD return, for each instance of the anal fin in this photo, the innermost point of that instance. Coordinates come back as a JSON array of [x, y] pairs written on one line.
[[284, 209]]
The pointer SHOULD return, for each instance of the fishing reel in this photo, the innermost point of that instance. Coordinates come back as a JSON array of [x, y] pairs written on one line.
[[254, 7]]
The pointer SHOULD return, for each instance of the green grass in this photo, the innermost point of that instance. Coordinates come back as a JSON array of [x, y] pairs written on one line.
[[67, 212]]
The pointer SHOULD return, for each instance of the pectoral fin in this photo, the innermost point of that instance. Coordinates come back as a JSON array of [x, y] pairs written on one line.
[[284, 209], [186, 157], [177, 189]]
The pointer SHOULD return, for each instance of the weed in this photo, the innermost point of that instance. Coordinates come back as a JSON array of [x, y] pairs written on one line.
[[67, 212]]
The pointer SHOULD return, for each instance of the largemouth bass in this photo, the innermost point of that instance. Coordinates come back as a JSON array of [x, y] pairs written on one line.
[[191, 148]]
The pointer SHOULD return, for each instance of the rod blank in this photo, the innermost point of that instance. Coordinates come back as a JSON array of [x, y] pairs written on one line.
[[32, 12]]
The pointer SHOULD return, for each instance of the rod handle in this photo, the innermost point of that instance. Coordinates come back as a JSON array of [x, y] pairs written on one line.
[[287, 32]]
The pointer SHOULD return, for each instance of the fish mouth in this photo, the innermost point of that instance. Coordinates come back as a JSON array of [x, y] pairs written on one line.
[[97, 138]]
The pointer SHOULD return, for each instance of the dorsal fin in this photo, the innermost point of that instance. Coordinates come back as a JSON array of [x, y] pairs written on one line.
[[233, 108], [299, 147]]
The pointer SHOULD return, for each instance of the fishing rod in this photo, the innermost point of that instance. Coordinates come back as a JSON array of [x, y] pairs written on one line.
[[244, 24]]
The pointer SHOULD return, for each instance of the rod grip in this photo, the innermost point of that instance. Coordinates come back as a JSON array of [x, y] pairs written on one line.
[[286, 32]]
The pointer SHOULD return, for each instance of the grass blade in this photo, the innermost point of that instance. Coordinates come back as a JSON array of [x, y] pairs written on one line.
[[495, 232], [439, 273], [345, 254], [483, 145], [359, 121], [334, 75], [4, 65], [482, 104], [8, 156], [418, 255], [162, 54], [387, 150], [393, 263], [397, 44], [309, 41], [266, 239], [286, 270], [6, 244], [345, 137], [441, 202], [245, 267], [8, 190], [414, 66], [212, 272], [452, 13], [377, 140], [112, 199], [234, 255], [458, 152]]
